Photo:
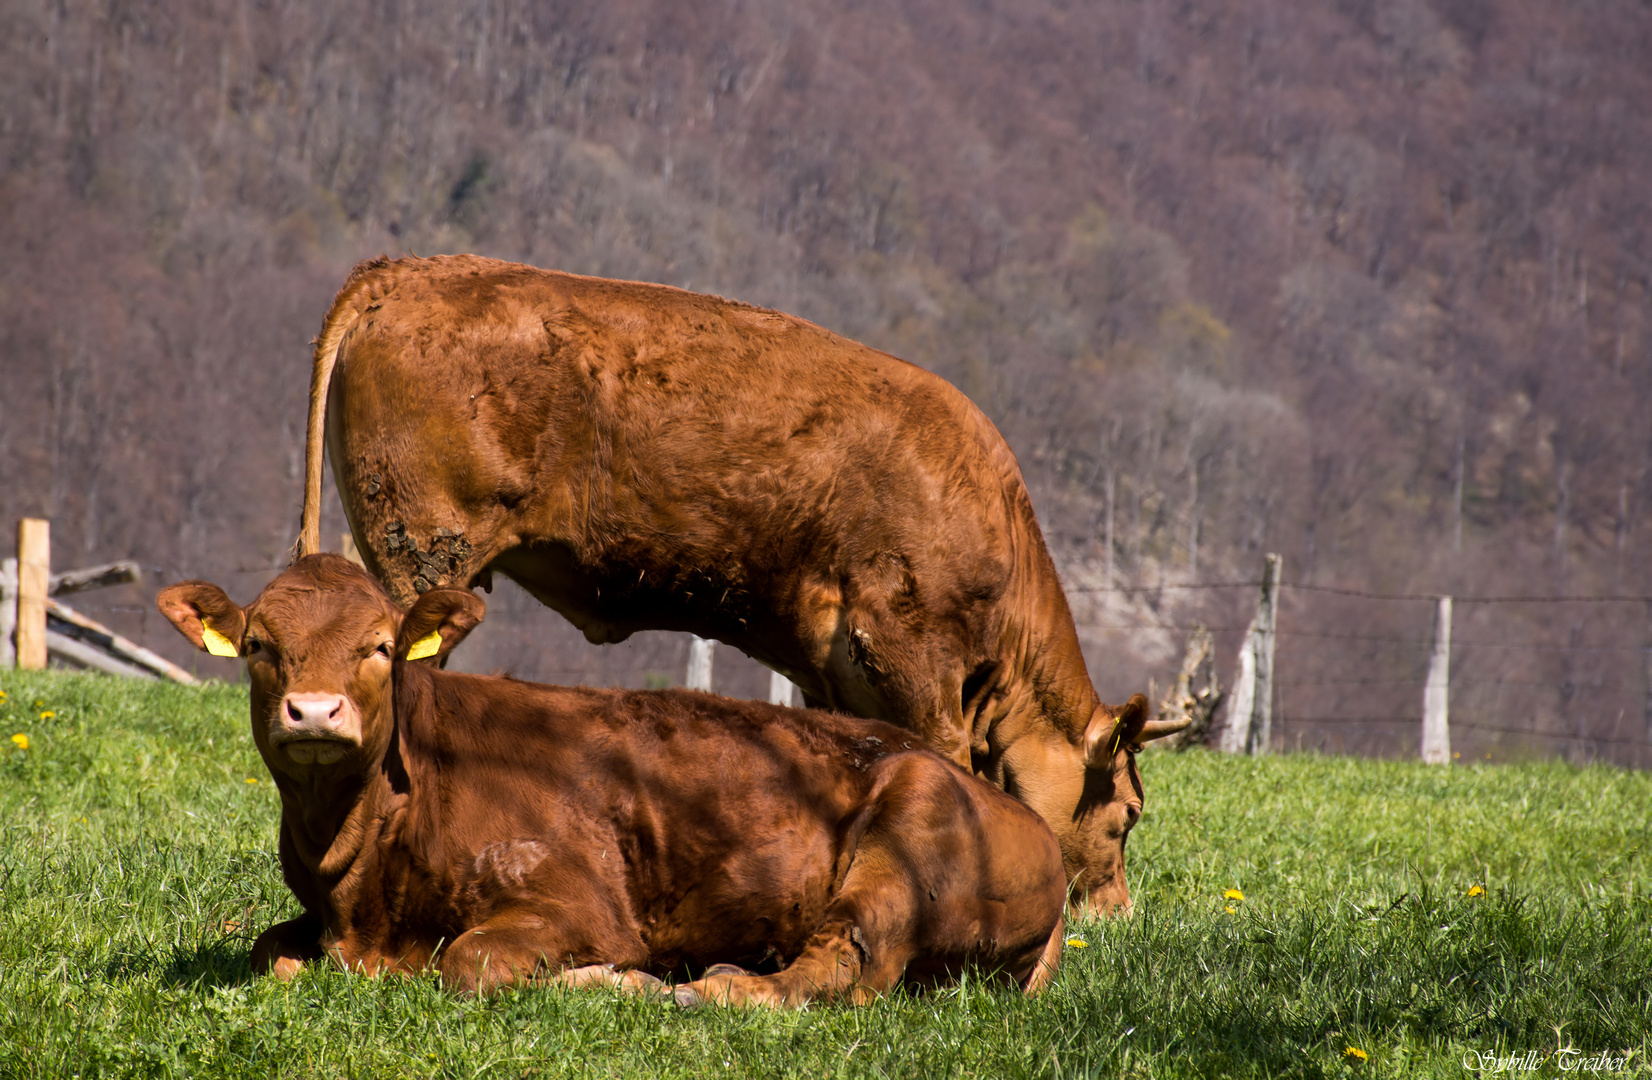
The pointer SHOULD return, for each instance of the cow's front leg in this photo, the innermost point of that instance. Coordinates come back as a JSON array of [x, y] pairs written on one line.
[[520, 945], [600, 975], [830, 968], [284, 948]]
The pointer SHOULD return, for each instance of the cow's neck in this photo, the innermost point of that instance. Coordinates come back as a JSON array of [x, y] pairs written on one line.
[[1051, 684], [334, 841]]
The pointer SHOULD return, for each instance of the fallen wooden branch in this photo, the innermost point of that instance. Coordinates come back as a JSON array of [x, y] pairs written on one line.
[[94, 577], [110, 641], [1186, 699], [78, 652]]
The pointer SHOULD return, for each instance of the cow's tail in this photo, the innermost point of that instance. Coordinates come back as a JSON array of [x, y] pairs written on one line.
[[340, 320]]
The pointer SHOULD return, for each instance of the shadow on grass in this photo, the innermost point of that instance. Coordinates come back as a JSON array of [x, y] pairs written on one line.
[[221, 963]]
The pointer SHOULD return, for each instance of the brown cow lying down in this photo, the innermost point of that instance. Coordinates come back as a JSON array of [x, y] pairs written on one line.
[[500, 831], [639, 457]]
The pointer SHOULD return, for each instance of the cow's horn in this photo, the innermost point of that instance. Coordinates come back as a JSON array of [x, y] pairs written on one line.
[[1158, 729]]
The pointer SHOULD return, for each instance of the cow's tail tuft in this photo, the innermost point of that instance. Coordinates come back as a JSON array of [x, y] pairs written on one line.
[[340, 320]]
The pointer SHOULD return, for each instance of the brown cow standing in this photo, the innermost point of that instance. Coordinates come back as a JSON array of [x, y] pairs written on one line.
[[641, 457], [501, 831]]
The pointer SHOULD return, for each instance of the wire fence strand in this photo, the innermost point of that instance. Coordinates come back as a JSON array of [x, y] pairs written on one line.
[[1585, 694]]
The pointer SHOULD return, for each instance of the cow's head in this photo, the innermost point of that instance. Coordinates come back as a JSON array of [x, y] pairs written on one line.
[[1091, 794], [319, 643]]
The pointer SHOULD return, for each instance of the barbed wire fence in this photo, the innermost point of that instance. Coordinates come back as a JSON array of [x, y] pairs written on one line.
[[1530, 676]]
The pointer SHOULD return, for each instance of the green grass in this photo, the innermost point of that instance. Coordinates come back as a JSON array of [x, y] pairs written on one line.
[[137, 863]]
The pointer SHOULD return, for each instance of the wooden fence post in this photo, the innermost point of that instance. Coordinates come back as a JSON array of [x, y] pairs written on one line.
[[780, 689], [1237, 731], [699, 662], [1267, 621], [1646, 661], [1250, 710], [8, 612], [1437, 692], [34, 577]]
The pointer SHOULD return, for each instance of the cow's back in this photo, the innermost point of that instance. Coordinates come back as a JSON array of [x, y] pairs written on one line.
[[702, 812], [725, 826], [642, 457], [622, 413]]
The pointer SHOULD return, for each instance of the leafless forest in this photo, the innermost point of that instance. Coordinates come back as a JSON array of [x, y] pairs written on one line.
[[1366, 284]]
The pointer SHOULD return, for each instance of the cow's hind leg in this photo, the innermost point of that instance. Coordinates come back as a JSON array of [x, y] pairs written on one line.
[[870, 930], [945, 873]]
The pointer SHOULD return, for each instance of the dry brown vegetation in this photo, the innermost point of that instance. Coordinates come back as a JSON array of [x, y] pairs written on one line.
[[1366, 284]]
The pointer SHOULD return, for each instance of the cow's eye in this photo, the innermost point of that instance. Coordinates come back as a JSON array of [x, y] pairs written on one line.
[[383, 650], [254, 646]]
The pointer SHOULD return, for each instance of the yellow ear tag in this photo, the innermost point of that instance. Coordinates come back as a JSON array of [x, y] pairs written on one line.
[[1118, 735], [216, 643], [429, 645]]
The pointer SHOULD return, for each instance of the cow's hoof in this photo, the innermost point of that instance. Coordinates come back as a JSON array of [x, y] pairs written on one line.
[[686, 998], [724, 969], [640, 982], [286, 968]]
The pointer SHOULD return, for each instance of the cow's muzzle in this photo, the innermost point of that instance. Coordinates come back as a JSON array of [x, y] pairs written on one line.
[[315, 729]]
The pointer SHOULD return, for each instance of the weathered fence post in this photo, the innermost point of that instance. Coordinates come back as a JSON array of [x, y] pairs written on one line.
[[43, 627], [347, 548], [1250, 710], [699, 662], [1646, 660], [1437, 692], [8, 612], [780, 689], [1267, 620], [1237, 730], [34, 577]]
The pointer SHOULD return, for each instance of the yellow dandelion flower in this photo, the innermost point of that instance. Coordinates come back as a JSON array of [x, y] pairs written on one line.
[[1354, 1053], [1231, 910], [1233, 894], [2, 695], [47, 715], [252, 779], [39, 703], [1077, 943], [1476, 890], [21, 740]]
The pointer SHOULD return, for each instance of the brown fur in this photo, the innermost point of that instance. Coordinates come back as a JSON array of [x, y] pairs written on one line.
[[501, 831], [641, 457]]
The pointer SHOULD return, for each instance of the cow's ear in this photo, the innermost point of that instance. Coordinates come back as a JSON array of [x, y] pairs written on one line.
[[205, 615], [437, 622], [1108, 731]]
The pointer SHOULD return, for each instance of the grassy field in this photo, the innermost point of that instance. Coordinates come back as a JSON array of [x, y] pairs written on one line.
[[137, 864]]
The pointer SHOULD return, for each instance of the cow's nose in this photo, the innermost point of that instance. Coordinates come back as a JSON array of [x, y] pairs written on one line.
[[313, 712], [1110, 903]]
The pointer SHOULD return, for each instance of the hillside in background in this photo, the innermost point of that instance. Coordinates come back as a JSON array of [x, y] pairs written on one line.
[[1364, 284]]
